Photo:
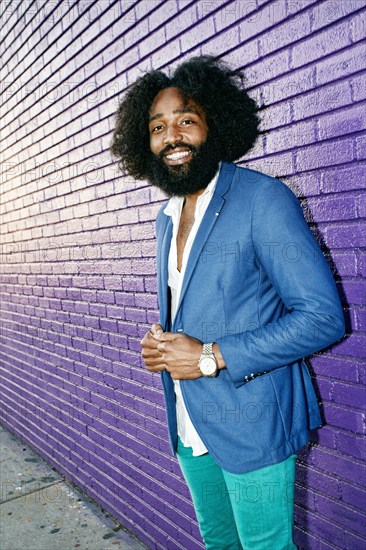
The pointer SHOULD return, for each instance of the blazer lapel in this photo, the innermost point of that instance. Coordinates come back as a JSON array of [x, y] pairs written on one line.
[[209, 219], [164, 240]]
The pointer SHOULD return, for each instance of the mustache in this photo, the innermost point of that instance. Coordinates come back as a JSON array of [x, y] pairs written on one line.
[[180, 144]]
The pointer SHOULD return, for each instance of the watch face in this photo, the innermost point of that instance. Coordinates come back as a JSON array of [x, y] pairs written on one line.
[[208, 366]]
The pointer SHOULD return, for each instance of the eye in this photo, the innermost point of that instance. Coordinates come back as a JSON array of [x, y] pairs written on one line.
[[156, 128], [187, 121]]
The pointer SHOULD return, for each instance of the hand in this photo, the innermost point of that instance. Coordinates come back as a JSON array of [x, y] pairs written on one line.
[[150, 354], [180, 354]]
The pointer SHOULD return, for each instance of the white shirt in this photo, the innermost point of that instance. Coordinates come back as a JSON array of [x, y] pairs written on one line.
[[186, 430]]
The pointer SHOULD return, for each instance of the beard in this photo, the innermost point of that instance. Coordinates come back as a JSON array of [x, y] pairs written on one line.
[[188, 178]]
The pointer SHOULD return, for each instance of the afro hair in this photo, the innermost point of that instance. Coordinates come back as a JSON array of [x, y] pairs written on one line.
[[230, 113]]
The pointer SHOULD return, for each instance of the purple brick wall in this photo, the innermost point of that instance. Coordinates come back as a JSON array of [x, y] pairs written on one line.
[[78, 270]]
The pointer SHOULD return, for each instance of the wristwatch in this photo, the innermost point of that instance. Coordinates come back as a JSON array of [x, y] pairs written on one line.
[[207, 362]]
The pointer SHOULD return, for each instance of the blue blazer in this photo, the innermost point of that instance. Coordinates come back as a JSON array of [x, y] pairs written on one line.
[[257, 284]]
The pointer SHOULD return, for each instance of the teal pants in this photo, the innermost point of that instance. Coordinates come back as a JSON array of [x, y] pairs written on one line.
[[251, 511]]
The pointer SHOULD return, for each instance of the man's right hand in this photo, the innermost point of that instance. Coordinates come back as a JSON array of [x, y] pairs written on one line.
[[150, 354]]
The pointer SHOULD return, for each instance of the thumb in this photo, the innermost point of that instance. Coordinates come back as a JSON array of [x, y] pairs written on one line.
[[156, 331]]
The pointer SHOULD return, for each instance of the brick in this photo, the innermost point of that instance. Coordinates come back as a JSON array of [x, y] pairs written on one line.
[[362, 264], [361, 148], [361, 317], [347, 236], [353, 541], [253, 21], [270, 67], [146, 301], [288, 32], [318, 526], [326, 437], [342, 418], [130, 329], [362, 373], [125, 298], [322, 100], [341, 65], [341, 466], [354, 496], [354, 346], [115, 312], [336, 511], [344, 178], [291, 137], [142, 231], [293, 83], [187, 17], [338, 124], [214, 45], [329, 208], [127, 216], [197, 35], [329, 12], [99, 336], [161, 14], [321, 44], [321, 155], [278, 166], [358, 89], [152, 42], [144, 266], [357, 26], [354, 292], [345, 263], [353, 396], [351, 445], [275, 116]]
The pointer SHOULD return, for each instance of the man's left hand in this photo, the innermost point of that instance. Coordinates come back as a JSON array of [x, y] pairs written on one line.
[[181, 354]]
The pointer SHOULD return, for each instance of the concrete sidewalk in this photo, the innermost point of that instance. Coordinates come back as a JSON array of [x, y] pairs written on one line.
[[40, 511]]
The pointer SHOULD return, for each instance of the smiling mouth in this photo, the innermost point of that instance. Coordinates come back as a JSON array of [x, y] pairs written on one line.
[[177, 155]]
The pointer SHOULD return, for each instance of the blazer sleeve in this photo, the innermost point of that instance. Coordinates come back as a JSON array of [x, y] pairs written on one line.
[[291, 259]]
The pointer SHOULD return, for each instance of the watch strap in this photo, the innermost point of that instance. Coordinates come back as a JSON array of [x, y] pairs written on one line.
[[207, 349]]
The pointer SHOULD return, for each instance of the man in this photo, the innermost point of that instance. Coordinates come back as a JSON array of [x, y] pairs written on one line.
[[244, 295]]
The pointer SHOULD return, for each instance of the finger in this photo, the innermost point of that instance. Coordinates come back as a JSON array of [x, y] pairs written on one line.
[[155, 368], [168, 336], [150, 347], [154, 364], [163, 347], [150, 353], [147, 339]]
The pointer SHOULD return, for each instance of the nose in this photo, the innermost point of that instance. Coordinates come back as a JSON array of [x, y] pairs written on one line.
[[172, 135]]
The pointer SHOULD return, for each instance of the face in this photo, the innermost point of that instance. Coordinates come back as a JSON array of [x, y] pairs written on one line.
[[177, 128], [184, 154]]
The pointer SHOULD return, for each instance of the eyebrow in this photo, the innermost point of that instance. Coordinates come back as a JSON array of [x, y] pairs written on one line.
[[177, 112]]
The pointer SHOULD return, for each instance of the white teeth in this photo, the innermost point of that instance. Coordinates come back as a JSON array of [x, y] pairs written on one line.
[[176, 156]]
